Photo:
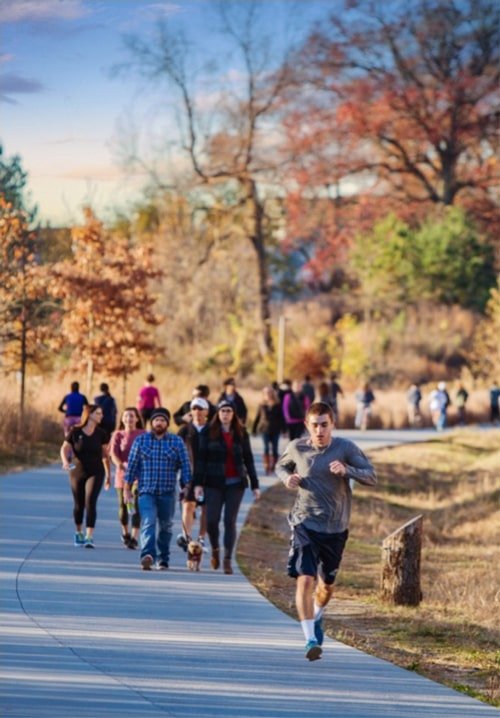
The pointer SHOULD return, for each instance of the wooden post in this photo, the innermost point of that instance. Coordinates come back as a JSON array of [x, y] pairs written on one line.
[[401, 552]]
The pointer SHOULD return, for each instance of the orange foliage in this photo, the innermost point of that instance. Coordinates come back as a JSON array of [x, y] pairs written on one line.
[[403, 107], [24, 304], [107, 303]]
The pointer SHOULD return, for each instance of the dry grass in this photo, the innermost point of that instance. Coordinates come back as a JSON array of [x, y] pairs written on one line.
[[33, 442], [389, 410], [452, 637]]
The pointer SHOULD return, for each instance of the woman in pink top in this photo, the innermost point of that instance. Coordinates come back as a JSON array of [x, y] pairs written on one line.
[[121, 443], [148, 399]]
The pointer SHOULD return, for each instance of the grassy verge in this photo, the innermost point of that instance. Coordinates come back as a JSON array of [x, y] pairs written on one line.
[[19, 456], [34, 442], [452, 637]]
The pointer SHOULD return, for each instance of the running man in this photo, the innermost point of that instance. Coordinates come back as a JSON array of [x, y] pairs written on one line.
[[319, 468]]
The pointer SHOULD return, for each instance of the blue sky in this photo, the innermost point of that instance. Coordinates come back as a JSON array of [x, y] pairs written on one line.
[[61, 109]]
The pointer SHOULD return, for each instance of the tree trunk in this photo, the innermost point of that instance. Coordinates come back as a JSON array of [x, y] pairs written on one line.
[[401, 552], [23, 363], [90, 361], [90, 376], [259, 244], [124, 392]]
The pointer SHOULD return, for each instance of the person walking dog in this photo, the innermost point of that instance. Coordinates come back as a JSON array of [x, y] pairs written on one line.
[[224, 467]]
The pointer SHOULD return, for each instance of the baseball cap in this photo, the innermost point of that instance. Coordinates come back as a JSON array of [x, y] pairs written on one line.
[[200, 402]]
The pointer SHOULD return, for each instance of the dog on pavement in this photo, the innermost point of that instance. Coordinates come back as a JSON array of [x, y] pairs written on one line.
[[194, 555]]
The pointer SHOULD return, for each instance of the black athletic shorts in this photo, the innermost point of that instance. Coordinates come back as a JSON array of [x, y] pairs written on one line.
[[313, 553]]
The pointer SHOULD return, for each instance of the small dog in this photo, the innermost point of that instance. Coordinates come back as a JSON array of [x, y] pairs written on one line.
[[194, 555]]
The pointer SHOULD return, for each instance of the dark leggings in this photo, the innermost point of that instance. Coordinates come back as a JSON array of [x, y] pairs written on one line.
[[229, 497], [123, 511], [86, 490]]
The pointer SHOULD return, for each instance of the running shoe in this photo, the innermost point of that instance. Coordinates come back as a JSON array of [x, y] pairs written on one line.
[[162, 566], [79, 539], [89, 542], [133, 544], [318, 631], [313, 650], [146, 562], [125, 540]]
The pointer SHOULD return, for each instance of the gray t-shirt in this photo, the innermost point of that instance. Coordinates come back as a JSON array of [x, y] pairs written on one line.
[[323, 501]]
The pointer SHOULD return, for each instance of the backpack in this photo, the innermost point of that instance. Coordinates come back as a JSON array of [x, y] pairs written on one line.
[[296, 406]]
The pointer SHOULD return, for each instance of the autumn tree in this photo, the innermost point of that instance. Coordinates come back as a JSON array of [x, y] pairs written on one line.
[[109, 308], [25, 307], [211, 303], [227, 145], [402, 112]]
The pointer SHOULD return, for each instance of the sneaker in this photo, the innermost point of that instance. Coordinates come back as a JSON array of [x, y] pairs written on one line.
[[125, 540], [318, 631], [89, 542], [182, 542], [162, 566], [79, 539], [313, 650], [147, 562], [133, 544]]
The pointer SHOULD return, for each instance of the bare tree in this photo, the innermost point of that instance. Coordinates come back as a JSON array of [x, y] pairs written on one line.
[[229, 145]]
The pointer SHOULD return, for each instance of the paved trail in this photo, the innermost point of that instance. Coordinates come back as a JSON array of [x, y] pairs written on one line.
[[87, 634]]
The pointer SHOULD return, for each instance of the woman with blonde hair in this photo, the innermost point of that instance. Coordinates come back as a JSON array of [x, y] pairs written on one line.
[[84, 455]]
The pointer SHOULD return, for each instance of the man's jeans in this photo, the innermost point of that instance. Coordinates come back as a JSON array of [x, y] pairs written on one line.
[[156, 508]]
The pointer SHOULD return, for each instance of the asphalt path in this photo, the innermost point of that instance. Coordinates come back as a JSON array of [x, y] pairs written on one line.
[[88, 634]]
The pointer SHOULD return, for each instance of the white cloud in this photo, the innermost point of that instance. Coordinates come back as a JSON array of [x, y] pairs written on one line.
[[161, 8], [41, 10]]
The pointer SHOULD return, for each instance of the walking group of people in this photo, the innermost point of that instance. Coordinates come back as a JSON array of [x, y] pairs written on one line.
[[440, 401], [210, 459]]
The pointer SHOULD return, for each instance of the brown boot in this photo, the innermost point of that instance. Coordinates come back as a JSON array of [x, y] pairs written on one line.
[[215, 561], [273, 464], [227, 566], [267, 464]]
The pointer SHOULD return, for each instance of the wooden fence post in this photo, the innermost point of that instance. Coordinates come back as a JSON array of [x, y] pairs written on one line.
[[401, 552]]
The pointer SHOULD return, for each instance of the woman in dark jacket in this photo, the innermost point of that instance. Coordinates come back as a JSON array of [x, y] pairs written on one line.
[[223, 467]]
